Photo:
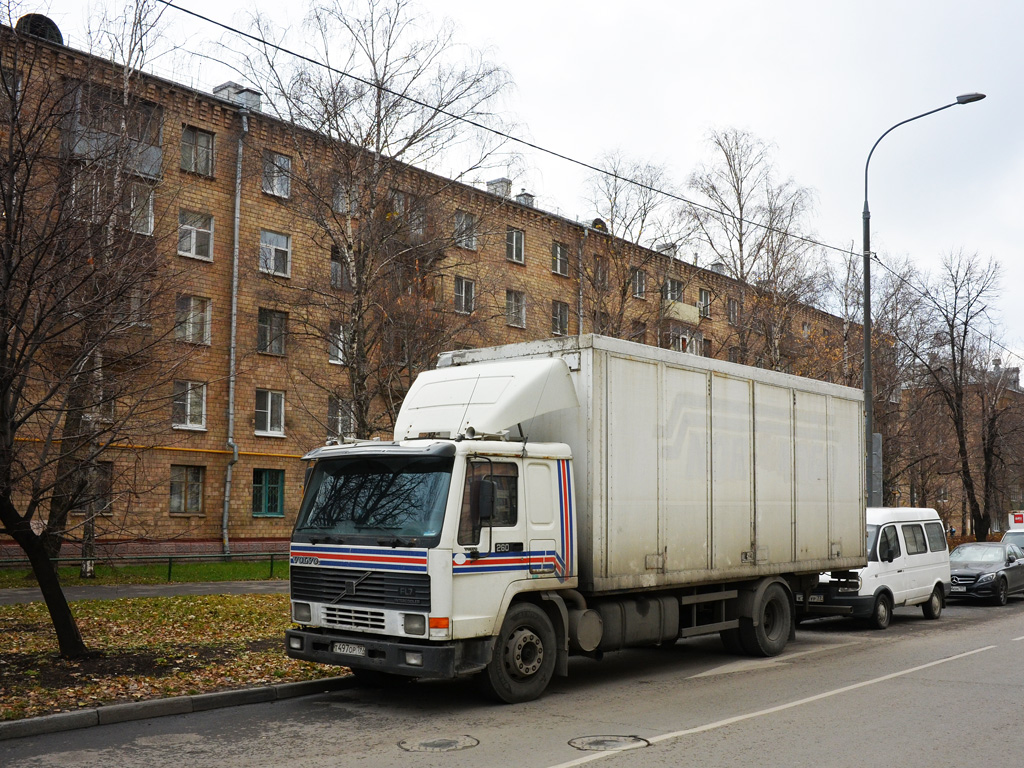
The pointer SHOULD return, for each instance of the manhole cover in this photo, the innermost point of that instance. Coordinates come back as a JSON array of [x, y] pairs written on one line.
[[608, 743], [441, 744]]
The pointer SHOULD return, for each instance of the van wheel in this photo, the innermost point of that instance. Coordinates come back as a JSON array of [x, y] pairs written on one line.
[[775, 620], [932, 609], [881, 615], [524, 656], [1001, 593]]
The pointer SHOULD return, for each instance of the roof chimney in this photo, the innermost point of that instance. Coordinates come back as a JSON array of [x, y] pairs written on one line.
[[239, 94], [525, 198], [500, 187]]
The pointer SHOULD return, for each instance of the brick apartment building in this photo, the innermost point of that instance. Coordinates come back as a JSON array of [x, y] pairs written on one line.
[[262, 300]]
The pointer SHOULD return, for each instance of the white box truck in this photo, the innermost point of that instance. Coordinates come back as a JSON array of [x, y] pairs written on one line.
[[575, 496]]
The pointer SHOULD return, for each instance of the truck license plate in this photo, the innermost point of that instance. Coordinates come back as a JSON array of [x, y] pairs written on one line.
[[955, 588], [350, 649], [816, 598]]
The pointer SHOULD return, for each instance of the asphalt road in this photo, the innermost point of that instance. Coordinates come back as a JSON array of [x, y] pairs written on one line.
[[921, 693]]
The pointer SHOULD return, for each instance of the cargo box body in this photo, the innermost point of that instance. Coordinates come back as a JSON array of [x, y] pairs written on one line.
[[693, 471]]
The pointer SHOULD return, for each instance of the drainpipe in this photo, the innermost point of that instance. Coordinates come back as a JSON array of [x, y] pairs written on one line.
[[225, 543], [579, 276]]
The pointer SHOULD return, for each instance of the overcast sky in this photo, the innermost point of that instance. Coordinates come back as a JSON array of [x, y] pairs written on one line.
[[820, 80]]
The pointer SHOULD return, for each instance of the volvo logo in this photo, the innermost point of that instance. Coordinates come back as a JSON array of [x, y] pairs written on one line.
[[304, 560], [349, 590]]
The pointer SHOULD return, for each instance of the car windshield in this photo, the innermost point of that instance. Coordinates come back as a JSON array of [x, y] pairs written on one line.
[[977, 553], [388, 500]]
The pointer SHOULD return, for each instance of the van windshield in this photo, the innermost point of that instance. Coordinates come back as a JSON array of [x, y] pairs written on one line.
[[376, 500], [872, 540]]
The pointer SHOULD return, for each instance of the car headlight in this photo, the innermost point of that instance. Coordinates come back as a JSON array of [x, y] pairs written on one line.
[[986, 578]]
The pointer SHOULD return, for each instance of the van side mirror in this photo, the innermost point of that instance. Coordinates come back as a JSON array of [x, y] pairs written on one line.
[[482, 495]]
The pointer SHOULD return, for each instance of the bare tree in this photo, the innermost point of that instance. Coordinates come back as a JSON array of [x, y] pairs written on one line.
[[384, 96], [83, 310]]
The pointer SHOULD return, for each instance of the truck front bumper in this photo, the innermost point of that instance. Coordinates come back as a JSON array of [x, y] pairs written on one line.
[[395, 656]]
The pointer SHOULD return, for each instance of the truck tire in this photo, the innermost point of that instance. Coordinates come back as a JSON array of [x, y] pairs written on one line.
[[524, 656], [932, 607], [775, 621], [881, 614]]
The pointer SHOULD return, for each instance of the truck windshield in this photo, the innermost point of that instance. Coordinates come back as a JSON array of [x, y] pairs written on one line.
[[377, 500]]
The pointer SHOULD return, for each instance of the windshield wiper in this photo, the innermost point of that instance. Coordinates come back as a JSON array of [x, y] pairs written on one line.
[[396, 542], [326, 539]]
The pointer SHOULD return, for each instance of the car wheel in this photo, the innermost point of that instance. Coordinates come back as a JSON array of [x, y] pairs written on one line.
[[1001, 594], [881, 614], [932, 608], [524, 656]]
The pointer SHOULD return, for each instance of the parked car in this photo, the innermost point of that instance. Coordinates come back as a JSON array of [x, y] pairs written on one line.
[[908, 564], [1014, 537], [987, 570]]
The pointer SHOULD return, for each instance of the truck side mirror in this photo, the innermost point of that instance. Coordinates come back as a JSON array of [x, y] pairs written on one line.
[[482, 496]]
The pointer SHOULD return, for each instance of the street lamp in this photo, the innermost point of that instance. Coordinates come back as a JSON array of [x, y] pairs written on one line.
[[869, 427]]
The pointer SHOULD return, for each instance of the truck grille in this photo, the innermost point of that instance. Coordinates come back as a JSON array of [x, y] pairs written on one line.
[[349, 586], [353, 618]]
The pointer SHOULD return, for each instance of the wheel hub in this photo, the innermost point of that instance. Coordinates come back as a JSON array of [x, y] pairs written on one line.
[[524, 653]]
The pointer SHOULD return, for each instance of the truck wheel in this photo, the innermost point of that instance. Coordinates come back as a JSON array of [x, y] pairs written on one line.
[[1000, 596], [524, 656], [932, 609], [775, 620], [881, 614]]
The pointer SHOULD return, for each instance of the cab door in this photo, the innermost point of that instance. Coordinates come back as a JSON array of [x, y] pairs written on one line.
[[892, 564]]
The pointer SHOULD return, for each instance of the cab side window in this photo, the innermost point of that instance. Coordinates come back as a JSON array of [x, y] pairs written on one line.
[[913, 534], [888, 544], [505, 477]]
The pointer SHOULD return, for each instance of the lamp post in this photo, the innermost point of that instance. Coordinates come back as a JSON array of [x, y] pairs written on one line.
[[869, 427]]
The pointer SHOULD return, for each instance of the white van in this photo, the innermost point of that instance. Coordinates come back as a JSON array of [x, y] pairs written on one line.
[[1015, 532], [908, 564]]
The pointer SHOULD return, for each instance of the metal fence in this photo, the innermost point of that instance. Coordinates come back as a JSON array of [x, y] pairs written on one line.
[[120, 560]]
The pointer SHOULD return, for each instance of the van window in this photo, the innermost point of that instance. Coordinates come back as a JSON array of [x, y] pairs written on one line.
[[913, 534], [888, 544], [936, 537]]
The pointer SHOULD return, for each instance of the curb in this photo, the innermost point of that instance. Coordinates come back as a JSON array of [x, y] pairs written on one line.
[[178, 705]]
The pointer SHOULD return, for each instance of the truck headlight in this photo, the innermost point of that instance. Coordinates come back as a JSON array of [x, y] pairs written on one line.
[[987, 578], [415, 623], [302, 613]]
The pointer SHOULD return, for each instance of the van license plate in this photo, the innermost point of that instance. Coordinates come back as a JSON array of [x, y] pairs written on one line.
[[350, 649], [955, 588]]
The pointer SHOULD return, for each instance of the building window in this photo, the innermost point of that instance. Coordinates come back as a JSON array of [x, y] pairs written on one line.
[[600, 273], [515, 245], [195, 235], [346, 199], [410, 210], [138, 207], [271, 328], [188, 409], [704, 302], [706, 351], [465, 230], [672, 290], [339, 418], [681, 339], [197, 151], [465, 295], [269, 412], [187, 489], [275, 253], [734, 312], [341, 277], [515, 308], [559, 318], [560, 259], [336, 343], [277, 174], [268, 493], [638, 281], [192, 319], [805, 329], [734, 354]]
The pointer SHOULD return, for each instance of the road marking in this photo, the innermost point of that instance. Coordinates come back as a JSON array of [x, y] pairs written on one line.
[[749, 664], [1017, 638], [772, 710]]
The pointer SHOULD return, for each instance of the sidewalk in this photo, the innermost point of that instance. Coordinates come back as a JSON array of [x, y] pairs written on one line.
[[117, 713], [113, 592]]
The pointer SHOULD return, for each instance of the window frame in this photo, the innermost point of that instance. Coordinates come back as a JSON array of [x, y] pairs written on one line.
[[271, 331], [183, 405], [673, 289], [187, 222], [515, 245], [638, 283], [465, 301], [559, 318], [465, 234], [515, 308], [191, 163], [269, 253], [185, 325], [733, 311], [277, 174], [273, 397], [270, 480], [704, 302], [340, 420], [192, 478], [559, 258]]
